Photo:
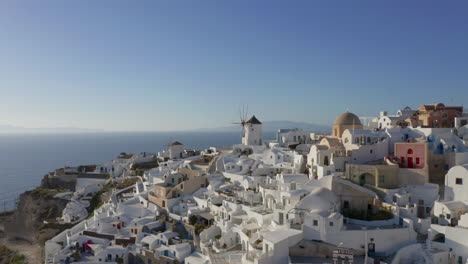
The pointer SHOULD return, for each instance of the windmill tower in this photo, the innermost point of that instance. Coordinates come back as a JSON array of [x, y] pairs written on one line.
[[251, 129], [252, 132]]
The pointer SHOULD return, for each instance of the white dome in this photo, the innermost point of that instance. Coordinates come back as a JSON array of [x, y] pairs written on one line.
[[319, 200]]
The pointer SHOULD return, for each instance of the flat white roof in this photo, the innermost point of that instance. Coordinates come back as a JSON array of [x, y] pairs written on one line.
[[280, 235]]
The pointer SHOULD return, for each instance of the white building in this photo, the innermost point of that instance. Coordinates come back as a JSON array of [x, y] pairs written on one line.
[[287, 137], [175, 150]]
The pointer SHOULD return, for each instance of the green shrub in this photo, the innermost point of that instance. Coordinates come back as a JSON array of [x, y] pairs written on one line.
[[18, 259], [192, 219], [126, 183]]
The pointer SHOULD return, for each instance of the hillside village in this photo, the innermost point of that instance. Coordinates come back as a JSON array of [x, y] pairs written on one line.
[[389, 190]]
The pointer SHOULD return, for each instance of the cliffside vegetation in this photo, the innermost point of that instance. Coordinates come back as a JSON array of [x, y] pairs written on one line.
[[8, 256]]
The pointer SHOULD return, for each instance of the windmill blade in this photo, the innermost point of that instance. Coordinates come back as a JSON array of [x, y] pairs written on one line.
[[246, 113], [240, 114]]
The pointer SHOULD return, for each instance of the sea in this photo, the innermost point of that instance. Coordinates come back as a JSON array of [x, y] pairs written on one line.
[[26, 158]]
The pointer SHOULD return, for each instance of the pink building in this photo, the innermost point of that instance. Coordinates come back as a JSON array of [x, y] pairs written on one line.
[[411, 155]]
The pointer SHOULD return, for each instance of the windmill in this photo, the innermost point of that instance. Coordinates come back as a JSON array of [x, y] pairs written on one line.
[[243, 114]]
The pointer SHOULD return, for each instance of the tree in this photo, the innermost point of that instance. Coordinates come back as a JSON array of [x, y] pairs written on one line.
[[192, 219]]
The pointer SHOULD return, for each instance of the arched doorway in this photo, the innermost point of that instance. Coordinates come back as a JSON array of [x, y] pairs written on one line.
[[367, 178]]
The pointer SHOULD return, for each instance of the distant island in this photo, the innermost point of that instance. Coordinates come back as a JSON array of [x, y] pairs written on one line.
[[269, 126]]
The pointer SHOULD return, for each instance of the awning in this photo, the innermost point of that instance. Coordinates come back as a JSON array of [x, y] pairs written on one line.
[[207, 216]]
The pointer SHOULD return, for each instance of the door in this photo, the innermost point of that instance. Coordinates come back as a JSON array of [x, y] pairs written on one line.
[[410, 162], [362, 180]]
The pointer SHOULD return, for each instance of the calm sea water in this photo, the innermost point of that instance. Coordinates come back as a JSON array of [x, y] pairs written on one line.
[[26, 158]]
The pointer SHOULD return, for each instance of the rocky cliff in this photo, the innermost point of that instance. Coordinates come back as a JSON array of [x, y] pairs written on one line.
[[35, 217]]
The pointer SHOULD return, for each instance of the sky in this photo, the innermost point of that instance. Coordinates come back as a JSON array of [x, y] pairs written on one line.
[[181, 65]]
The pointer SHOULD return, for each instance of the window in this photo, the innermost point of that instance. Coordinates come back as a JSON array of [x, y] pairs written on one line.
[[315, 222], [371, 151], [381, 179], [418, 161], [402, 159], [331, 223], [410, 151], [459, 181], [442, 216], [449, 216], [293, 186], [346, 204]]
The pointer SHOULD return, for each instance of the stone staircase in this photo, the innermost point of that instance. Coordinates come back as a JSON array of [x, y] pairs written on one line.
[[426, 246]]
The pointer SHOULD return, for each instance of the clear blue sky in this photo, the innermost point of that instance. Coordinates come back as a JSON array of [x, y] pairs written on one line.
[[169, 65]]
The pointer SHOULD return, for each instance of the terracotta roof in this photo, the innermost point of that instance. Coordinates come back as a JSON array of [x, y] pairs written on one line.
[[332, 142], [348, 118]]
